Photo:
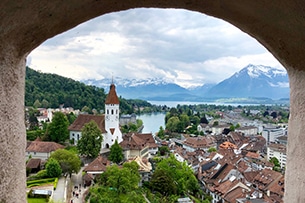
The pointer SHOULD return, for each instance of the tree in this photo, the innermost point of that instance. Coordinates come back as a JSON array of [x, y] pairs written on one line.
[[172, 124], [161, 132], [53, 168], [162, 182], [71, 117], [169, 171], [33, 113], [45, 103], [204, 120], [68, 161], [118, 185], [58, 129], [37, 104], [91, 140], [122, 180], [212, 149], [116, 153], [277, 165], [163, 150]]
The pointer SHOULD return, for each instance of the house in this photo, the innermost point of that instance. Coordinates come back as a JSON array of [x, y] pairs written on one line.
[[145, 168], [227, 145], [192, 144], [96, 167], [126, 119], [192, 159], [271, 134], [282, 140], [205, 128], [271, 183], [138, 144], [34, 165], [278, 151], [218, 129], [108, 123], [41, 150], [247, 130]]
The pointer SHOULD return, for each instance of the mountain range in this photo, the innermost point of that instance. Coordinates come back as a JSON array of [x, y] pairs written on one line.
[[257, 82]]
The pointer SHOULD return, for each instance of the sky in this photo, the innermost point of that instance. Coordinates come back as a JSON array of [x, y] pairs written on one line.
[[180, 46]]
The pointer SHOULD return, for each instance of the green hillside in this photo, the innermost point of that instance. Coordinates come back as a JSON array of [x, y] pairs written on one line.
[[51, 90]]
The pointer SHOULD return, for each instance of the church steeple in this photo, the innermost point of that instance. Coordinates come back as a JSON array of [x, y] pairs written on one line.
[[112, 113], [112, 97]]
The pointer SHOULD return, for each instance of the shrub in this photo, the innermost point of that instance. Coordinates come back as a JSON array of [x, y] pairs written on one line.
[[55, 183], [40, 182]]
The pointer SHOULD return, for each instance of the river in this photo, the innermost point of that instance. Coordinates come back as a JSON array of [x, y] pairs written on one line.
[[152, 122]]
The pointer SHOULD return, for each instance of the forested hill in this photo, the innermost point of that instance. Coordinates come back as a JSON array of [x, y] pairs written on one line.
[[51, 90]]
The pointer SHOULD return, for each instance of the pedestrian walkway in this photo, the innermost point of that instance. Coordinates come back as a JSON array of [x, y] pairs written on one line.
[[78, 189]]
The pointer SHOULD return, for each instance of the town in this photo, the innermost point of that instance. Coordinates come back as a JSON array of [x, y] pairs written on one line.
[[233, 159]]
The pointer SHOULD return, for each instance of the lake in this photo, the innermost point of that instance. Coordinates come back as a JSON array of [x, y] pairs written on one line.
[[153, 121]]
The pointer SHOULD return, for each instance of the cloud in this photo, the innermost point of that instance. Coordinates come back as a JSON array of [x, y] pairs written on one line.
[[178, 45]]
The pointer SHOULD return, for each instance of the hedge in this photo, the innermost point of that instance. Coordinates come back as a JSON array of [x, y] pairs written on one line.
[[55, 183], [41, 181]]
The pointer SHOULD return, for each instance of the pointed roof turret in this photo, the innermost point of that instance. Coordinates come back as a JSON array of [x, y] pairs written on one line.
[[112, 97]]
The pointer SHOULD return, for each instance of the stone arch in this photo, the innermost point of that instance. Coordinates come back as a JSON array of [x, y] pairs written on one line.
[[25, 25]]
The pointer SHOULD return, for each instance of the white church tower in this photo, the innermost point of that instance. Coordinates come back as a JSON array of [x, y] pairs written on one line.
[[112, 113]]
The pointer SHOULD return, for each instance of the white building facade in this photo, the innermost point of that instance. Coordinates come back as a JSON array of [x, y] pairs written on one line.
[[112, 115]]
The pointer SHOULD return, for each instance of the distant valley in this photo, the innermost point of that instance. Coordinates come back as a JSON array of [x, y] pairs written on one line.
[[252, 84]]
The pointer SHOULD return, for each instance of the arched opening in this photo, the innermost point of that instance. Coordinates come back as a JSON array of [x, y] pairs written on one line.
[[279, 27], [107, 146]]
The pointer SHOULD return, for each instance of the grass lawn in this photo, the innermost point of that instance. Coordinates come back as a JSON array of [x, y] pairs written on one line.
[[37, 200]]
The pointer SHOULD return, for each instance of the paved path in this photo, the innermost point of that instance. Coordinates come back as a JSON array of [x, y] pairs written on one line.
[[77, 188], [59, 195], [62, 192]]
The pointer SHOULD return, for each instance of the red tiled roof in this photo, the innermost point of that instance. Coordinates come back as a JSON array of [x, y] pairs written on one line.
[[98, 165], [45, 147], [252, 155], [138, 141], [112, 97], [266, 177], [234, 194], [82, 119], [227, 145], [33, 163]]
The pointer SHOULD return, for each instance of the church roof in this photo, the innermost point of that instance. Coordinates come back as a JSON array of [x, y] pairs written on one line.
[[112, 97], [82, 119]]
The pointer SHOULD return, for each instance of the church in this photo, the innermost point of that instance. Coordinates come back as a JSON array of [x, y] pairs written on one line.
[[108, 122]]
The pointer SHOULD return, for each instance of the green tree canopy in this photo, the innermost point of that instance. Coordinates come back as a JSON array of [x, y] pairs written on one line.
[[58, 129], [212, 149], [171, 170], [122, 180], [172, 124], [116, 153], [91, 140], [53, 168], [161, 132], [68, 161]]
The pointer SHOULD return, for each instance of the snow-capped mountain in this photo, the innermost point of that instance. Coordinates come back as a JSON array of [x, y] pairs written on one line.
[[254, 81], [148, 89]]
